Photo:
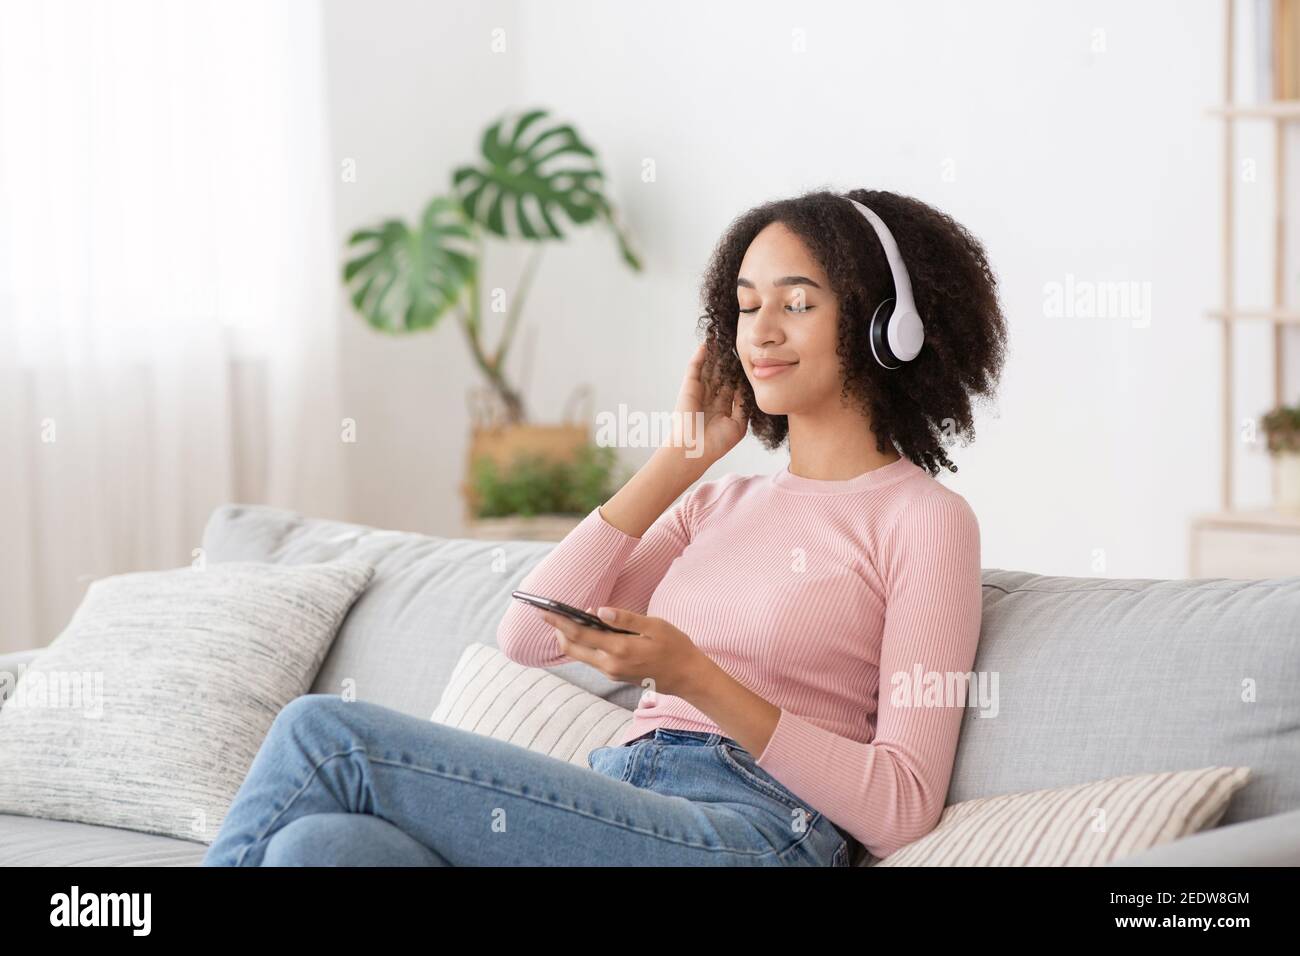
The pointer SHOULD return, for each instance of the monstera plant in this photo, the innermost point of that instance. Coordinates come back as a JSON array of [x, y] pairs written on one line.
[[534, 178], [534, 181]]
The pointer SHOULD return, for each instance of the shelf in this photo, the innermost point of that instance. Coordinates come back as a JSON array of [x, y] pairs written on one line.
[[1259, 519], [1261, 542], [1250, 544], [1285, 316], [1275, 109]]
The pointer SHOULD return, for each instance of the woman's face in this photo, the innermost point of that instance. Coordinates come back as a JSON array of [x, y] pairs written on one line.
[[787, 315]]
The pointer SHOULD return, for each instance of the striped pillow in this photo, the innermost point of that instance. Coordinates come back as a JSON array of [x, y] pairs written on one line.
[[492, 695], [1087, 824]]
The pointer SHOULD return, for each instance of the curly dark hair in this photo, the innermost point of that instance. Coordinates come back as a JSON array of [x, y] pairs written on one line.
[[926, 403]]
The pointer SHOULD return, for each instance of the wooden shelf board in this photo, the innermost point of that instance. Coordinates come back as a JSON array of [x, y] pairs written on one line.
[[1285, 316], [1275, 109], [1256, 519]]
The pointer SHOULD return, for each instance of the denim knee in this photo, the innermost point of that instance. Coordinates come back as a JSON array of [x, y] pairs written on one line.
[[301, 842], [307, 705], [344, 839], [307, 711]]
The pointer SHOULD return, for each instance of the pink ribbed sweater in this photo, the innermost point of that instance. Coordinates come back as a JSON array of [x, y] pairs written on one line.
[[854, 606]]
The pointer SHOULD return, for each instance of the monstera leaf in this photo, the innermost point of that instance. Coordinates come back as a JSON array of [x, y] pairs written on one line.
[[405, 279], [533, 173]]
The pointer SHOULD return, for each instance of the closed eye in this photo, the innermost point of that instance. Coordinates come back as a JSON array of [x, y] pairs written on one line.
[[806, 308]]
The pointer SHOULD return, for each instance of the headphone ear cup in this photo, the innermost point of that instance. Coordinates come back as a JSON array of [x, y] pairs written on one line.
[[879, 335]]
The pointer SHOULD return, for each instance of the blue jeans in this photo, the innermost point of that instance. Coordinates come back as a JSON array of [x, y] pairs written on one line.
[[357, 784]]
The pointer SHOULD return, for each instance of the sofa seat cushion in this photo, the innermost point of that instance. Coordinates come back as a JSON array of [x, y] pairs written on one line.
[[33, 841]]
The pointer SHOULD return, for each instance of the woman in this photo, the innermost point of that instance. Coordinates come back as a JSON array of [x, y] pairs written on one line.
[[769, 610]]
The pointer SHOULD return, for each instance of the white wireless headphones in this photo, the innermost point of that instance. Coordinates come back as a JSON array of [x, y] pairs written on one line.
[[896, 333]]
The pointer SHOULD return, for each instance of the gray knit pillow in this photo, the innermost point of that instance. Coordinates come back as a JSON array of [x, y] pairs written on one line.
[[146, 712]]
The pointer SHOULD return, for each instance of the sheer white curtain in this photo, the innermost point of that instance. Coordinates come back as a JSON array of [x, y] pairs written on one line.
[[165, 217]]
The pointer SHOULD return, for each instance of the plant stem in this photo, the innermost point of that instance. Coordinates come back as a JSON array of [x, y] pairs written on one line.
[[468, 320], [517, 304]]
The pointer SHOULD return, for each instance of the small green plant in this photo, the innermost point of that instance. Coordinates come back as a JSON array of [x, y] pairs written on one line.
[[1282, 427], [532, 485]]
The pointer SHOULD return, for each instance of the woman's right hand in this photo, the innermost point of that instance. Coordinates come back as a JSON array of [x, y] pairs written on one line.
[[724, 421]]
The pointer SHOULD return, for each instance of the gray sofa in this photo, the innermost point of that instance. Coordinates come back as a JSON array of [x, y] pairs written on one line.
[[1097, 677]]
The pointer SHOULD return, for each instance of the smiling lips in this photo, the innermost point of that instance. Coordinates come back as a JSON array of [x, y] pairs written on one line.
[[766, 368]]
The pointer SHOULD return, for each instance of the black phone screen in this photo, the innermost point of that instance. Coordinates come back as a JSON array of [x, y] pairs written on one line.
[[572, 613]]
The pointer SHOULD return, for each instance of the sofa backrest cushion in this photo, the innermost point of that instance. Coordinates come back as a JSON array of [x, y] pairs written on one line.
[[1095, 677], [1103, 677], [429, 599]]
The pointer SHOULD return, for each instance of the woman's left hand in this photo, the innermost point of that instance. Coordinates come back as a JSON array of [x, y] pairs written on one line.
[[658, 651]]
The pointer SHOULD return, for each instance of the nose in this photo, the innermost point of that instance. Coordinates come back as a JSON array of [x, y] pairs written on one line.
[[765, 328]]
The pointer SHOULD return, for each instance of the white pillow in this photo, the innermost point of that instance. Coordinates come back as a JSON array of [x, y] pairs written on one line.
[[1087, 824], [492, 695], [146, 712]]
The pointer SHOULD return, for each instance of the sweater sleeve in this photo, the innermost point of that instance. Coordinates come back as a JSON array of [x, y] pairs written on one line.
[[597, 564], [891, 791]]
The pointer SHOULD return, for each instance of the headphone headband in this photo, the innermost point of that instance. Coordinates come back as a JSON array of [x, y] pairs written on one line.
[[900, 333]]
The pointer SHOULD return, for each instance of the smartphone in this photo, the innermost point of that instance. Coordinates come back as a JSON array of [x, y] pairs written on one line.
[[572, 613]]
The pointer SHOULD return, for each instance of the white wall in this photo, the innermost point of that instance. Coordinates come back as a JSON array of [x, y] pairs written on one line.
[[412, 84], [1065, 159]]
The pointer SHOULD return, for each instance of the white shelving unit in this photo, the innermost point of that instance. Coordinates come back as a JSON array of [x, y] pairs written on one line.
[[1232, 542]]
